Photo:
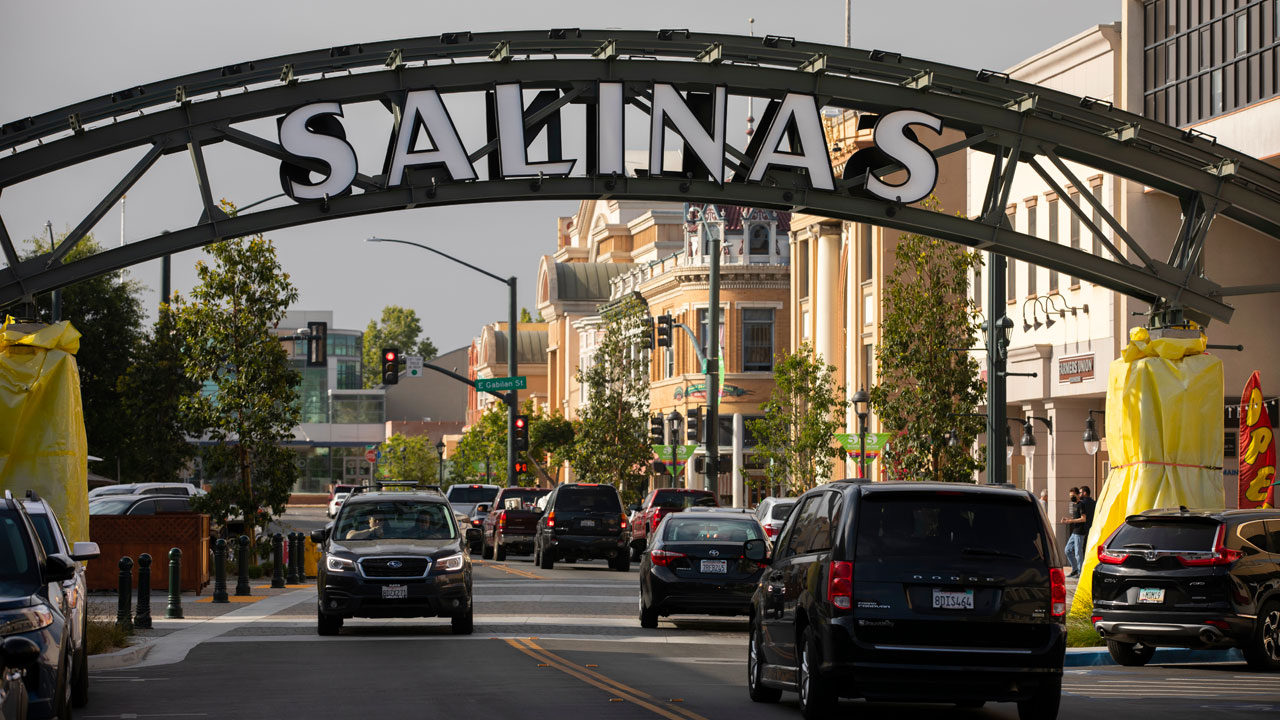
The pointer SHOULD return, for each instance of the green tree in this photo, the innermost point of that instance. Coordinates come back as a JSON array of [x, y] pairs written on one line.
[[399, 328], [250, 401], [527, 317], [107, 311], [153, 388], [409, 458], [926, 386], [551, 438], [485, 440], [612, 440], [796, 437]]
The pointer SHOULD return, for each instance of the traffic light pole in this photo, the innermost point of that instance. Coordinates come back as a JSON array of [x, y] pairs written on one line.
[[513, 396], [713, 371], [996, 390]]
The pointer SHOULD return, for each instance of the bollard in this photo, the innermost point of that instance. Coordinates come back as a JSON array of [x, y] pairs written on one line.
[[142, 619], [242, 585], [220, 572], [293, 578], [124, 614], [277, 561], [302, 557], [175, 584]]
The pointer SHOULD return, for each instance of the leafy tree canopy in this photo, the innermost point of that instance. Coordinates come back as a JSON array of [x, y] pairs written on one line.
[[412, 458], [485, 440], [398, 328]]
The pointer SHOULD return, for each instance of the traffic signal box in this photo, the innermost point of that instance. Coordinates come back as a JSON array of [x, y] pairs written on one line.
[[664, 331], [646, 334], [390, 366], [655, 430], [522, 467], [693, 425], [522, 433]]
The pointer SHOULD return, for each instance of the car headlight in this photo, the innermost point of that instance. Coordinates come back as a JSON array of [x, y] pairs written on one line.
[[25, 620], [450, 563], [333, 563]]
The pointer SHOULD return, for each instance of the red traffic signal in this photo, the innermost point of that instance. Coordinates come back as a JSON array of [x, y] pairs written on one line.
[[522, 433], [390, 366], [522, 467]]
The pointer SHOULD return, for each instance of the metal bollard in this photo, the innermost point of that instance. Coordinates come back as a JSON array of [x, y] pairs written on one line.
[[277, 561], [302, 557], [175, 584], [220, 572], [124, 614], [142, 619], [293, 578], [242, 584]]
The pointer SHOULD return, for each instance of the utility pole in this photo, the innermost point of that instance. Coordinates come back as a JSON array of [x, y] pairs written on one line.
[[997, 347], [713, 365], [513, 396]]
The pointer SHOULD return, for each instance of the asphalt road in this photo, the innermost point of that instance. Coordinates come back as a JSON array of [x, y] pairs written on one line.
[[559, 644]]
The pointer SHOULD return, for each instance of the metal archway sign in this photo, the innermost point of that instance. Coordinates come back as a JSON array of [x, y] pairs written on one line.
[[680, 81]]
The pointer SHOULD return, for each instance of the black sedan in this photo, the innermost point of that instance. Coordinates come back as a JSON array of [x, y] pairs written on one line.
[[694, 565]]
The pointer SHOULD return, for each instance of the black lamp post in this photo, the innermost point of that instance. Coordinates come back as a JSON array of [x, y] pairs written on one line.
[[440, 452], [1092, 443], [1028, 441], [860, 400]]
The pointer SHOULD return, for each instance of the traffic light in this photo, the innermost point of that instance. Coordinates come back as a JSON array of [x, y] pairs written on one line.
[[522, 433], [646, 334], [664, 330], [693, 425], [317, 344], [390, 366], [522, 467], [655, 430]]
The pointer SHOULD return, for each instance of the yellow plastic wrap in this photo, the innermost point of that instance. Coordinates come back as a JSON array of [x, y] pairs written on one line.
[[1164, 431], [42, 441]]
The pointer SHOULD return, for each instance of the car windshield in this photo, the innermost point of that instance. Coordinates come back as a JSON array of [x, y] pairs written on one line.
[[1165, 535], [17, 565], [780, 511], [589, 499], [682, 500], [396, 520], [45, 530], [471, 494], [683, 528], [935, 524], [110, 505]]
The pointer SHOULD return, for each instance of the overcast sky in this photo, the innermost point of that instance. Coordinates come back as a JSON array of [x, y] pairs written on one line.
[[56, 53]]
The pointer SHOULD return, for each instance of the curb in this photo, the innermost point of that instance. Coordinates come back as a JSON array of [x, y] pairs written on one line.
[[121, 658], [1091, 657]]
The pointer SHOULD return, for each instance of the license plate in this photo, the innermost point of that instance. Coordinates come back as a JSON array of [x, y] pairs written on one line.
[[394, 592], [1151, 595], [587, 523], [715, 566], [953, 600]]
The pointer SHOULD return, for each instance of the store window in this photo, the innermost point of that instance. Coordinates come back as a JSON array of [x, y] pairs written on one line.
[[1053, 238], [757, 340], [758, 242], [1074, 230]]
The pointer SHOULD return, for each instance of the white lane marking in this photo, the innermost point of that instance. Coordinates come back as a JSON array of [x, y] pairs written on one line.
[[568, 620], [576, 599], [647, 639], [545, 583], [173, 648]]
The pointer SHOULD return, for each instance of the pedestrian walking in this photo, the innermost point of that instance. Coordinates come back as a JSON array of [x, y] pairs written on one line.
[[1044, 500], [1089, 506], [1075, 541]]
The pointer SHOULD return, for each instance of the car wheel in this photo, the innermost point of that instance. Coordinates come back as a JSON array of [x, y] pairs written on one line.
[[817, 698], [327, 624], [1130, 654], [487, 551], [80, 672], [63, 704], [1263, 650], [622, 563], [463, 624], [499, 552], [546, 559], [648, 615], [1044, 704], [635, 554], [755, 670]]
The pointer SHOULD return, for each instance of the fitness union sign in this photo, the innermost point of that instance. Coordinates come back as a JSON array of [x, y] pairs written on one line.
[[790, 139]]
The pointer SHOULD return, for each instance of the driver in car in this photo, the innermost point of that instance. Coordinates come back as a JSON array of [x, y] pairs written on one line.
[[425, 527], [373, 532]]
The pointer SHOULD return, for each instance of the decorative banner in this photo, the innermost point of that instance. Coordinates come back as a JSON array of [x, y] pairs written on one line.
[[876, 443], [674, 457], [1257, 448], [699, 391]]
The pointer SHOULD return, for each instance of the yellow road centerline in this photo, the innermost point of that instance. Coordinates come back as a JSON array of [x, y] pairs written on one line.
[[511, 570]]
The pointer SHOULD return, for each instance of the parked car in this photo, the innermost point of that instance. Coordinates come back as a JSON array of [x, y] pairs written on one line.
[[34, 606], [147, 489], [18, 656], [694, 565], [1187, 578], [582, 521], [74, 589], [910, 591], [393, 554], [772, 514], [465, 496], [657, 504], [335, 502], [139, 504], [512, 522]]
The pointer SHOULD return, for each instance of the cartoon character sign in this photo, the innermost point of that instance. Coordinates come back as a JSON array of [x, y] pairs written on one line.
[[1257, 449]]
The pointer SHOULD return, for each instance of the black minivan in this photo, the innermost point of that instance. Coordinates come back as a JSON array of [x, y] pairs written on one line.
[[911, 591], [582, 521]]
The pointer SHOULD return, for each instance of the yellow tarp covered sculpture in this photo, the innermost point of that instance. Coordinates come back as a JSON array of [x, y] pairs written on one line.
[[42, 441], [1164, 433]]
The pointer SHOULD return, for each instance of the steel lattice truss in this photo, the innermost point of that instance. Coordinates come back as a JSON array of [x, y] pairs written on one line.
[[1008, 119]]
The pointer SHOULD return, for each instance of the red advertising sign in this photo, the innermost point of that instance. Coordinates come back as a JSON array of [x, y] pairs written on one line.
[[1257, 449]]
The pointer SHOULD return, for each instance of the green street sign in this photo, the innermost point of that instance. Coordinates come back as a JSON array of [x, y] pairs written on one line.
[[876, 443], [503, 384]]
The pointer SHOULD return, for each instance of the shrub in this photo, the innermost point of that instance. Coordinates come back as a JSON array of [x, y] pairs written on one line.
[[104, 635]]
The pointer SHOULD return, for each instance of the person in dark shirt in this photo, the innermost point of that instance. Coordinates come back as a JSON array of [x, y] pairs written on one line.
[[1075, 542], [1090, 505]]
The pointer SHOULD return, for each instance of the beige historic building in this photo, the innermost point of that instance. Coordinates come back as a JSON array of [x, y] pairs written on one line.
[[488, 359]]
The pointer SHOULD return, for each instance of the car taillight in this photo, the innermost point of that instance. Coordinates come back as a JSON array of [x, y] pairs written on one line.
[[1058, 592], [475, 523], [624, 522], [1220, 624], [551, 519], [665, 558], [1221, 554], [1106, 557], [840, 585], [502, 521], [1097, 619]]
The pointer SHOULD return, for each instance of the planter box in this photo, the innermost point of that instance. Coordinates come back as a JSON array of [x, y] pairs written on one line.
[[132, 535]]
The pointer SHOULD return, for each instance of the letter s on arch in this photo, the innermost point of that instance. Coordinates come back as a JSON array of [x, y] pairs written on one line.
[[314, 131], [921, 166]]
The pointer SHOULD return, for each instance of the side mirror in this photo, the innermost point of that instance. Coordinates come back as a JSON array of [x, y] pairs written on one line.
[[755, 550], [474, 534], [18, 653], [85, 551], [633, 507], [482, 507], [319, 536], [59, 568]]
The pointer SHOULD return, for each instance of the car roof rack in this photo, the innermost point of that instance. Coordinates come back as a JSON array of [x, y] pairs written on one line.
[[33, 496]]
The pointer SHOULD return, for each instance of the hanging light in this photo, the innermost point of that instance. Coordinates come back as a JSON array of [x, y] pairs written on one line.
[[1028, 441], [1091, 442]]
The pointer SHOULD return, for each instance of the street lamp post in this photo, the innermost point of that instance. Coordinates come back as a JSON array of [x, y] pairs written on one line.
[[1028, 441], [1091, 441], [675, 424], [440, 465], [860, 400], [513, 319]]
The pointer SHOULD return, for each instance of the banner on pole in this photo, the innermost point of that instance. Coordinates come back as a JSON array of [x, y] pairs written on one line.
[[876, 443], [1257, 448], [674, 457]]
